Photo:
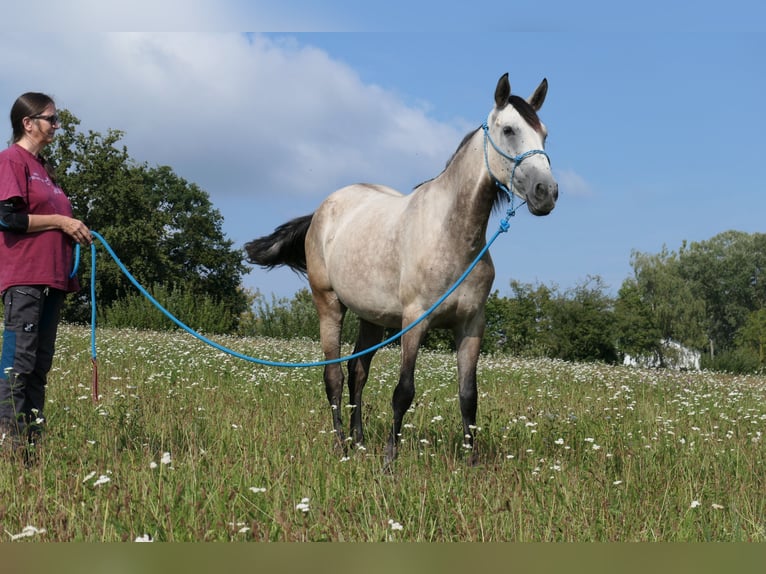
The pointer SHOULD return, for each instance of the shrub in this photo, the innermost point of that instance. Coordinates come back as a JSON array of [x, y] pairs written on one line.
[[200, 312]]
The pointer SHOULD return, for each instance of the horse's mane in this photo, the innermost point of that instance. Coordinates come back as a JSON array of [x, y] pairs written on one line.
[[467, 137]]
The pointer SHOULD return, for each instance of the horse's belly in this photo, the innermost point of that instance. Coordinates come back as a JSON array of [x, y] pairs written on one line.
[[370, 290]]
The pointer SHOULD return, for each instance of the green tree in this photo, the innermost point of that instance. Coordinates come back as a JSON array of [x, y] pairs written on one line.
[[582, 324], [727, 272], [752, 336], [163, 229], [635, 329], [668, 304], [519, 324]]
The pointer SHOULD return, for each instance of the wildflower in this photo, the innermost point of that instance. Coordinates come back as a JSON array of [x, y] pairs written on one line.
[[303, 505], [695, 503], [257, 489], [717, 506], [103, 479], [165, 458], [395, 525], [28, 532], [559, 441], [153, 465]]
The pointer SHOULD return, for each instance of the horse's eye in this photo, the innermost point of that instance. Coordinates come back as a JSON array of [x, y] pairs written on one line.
[[508, 131]]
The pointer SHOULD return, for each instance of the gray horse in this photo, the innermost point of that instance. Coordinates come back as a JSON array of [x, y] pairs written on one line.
[[388, 257]]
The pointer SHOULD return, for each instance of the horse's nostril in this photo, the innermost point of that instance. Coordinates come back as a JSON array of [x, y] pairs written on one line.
[[545, 192]]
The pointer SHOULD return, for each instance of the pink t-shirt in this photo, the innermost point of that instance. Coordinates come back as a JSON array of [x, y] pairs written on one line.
[[44, 257]]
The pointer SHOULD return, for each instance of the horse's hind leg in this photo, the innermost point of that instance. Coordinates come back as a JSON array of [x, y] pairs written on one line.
[[331, 313], [358, 372]]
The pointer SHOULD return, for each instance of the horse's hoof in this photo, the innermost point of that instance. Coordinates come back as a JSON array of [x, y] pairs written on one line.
[[388, 460], [388, 467]]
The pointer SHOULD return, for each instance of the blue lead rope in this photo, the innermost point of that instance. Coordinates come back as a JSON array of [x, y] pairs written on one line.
[[504, 226]]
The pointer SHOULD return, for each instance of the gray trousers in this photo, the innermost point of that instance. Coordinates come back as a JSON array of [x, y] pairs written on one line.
[[31, 323]]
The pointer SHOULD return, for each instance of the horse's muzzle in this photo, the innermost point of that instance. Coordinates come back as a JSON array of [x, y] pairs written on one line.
[[543, 199]]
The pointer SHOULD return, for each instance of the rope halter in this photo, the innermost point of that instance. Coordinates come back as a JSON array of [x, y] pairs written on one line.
[[508, 189]]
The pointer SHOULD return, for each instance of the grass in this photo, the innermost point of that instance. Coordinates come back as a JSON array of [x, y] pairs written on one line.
[[189, 444]]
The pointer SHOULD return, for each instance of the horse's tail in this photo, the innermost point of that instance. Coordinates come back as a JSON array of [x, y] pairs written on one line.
[[286, 246]]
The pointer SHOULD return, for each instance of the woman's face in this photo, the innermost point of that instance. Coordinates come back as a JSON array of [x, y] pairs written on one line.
[[42, 127]]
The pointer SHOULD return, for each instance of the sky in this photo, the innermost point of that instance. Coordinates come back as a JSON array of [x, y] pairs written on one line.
[[655, 110]]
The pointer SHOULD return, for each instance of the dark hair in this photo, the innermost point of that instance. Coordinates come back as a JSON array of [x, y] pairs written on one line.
[[26, 106]]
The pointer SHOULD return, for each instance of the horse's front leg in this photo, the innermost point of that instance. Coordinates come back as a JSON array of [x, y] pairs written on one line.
[[404, 393], [468, 344]]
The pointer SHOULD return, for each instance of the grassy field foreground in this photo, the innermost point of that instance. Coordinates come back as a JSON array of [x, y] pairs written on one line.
[[190, 444]]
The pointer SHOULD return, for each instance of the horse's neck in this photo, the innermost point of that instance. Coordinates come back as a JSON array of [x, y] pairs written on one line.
[[469, 191]]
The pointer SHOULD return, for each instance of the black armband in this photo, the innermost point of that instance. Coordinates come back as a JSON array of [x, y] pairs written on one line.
[[12, 218]]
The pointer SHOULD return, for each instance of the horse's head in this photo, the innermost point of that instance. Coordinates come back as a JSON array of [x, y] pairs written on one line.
[[517, 138]]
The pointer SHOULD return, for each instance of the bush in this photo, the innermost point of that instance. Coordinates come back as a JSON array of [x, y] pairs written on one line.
[[284, 318], [735, 361], [201, 313]]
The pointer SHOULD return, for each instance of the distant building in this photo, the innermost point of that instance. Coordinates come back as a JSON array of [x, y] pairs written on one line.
[[674, 356]]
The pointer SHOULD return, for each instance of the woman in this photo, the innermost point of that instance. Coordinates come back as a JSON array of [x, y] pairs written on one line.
[[37, 236]]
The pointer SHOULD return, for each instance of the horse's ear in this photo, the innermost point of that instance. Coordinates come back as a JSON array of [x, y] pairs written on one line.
[[502, 91], [536, 100]]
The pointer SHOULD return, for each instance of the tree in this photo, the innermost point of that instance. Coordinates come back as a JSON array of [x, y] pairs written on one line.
[[162, 228], [667, 304], [752, 336], [518, 324], [727, 272], [582, 324], [635, 329]]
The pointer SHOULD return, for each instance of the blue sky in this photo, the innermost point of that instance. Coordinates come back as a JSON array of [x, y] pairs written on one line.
[[655, 111]]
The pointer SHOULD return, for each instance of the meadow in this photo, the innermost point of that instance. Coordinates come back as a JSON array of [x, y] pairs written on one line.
[[189, 444]]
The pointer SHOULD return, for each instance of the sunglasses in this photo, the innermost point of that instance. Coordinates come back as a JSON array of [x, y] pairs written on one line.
[[52, 119]]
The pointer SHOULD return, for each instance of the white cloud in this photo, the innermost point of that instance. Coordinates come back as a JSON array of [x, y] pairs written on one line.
[[236, 114]]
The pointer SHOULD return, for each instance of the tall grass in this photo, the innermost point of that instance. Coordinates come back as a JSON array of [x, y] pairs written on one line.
[[189, 444]]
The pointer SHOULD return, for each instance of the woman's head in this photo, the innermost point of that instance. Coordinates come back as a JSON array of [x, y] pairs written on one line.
[[35, 106]]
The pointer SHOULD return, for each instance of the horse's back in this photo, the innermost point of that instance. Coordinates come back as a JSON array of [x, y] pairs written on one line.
[[360, 208], [352, 249]]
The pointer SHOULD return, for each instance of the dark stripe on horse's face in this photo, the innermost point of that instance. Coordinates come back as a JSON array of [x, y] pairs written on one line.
[[526, 111]]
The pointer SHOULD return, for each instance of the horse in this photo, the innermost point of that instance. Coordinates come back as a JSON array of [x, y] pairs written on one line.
[[388, 257]]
